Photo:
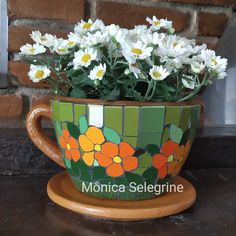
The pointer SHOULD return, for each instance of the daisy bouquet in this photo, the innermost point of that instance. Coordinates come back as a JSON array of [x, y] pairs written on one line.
[[146, 63]]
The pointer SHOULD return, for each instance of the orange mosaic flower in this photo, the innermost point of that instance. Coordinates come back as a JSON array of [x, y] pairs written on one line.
[[70, 145], [91, 142], [117, 158], [179, 158], [171, 158]]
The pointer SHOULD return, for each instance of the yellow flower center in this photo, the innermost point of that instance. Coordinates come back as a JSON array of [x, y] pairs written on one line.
[[39, 74], [136, 51], [99, 73], [117, 159], [214, 62], [170, 158], [156, 74], [32, 50], [86, 57], [87, 25], [175, 44], [97, 147], [70, 43], [156, 23], [61, 50], [68, 146]]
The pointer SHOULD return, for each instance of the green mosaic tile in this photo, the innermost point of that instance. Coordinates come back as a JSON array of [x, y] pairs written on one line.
[[79, 110], [139, 171], [113, 118], [195, 113], [55, 110], [131, 114], [172, 115], [152, 119], [64, 125], [165, 135], [66, 111], [145, 139], [185, 117], [131, 140]]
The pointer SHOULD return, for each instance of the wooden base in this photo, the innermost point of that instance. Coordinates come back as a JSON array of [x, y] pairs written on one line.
[[62, 191]]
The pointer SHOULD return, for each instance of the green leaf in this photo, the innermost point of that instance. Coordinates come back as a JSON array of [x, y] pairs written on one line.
[[150, 173], [67, 163], [57, 125], [145, 160], [175, 133], [83, 125], [153, 149], [131, 177], [112, 95], [111, 135], [77, 92], [98, 172], [73, 130]]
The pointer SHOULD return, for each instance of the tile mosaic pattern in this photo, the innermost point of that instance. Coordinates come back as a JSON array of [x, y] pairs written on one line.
[[122, 144]]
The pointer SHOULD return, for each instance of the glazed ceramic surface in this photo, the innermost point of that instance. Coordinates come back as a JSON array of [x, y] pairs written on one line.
[[119, 144]]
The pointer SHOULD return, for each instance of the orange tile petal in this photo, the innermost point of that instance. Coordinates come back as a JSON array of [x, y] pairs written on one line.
[[68, 154], [130, 163], [75, 154], [115, 170], [162, 172], [110, 149], [88, 158], [103, 160], [179, 152], [66, 134], [159, 161], [169, 148], [85, 143], [73, 143], [177, 170], [62, 142], [171, 166], [125, 150], [95, 135]]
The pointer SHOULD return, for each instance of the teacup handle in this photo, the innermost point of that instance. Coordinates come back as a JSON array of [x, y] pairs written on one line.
[[38, 136]]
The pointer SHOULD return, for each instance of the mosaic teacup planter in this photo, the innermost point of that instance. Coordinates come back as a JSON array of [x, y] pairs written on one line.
[[117, 143]]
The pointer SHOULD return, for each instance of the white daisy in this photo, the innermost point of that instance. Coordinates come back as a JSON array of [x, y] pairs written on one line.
[[158, 73], [60, 46], [38, 73], [84, 57], [85, 26], [46, 39], [159, 23], [215, 63], [98, 72], [189, 81], [134, 51], [29, 49], [197, 67]]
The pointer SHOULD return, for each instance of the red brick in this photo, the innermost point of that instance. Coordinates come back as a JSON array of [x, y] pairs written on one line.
[[20, 70], [208, 2], [70, 11], [128, 15], [211, 24], [20, 35], [211, 42], [11, 106]]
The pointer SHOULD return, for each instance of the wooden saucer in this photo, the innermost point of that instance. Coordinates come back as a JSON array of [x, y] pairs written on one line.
[[62, 191]]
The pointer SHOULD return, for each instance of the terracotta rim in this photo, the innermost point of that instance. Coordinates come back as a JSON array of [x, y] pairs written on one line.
[[124, 102]]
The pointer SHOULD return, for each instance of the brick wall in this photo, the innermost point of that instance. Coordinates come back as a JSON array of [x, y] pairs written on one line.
[[205, 20]]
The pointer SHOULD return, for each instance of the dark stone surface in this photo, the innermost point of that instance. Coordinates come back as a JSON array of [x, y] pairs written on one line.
[[25, 209], [18, 155], [213, 148]]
